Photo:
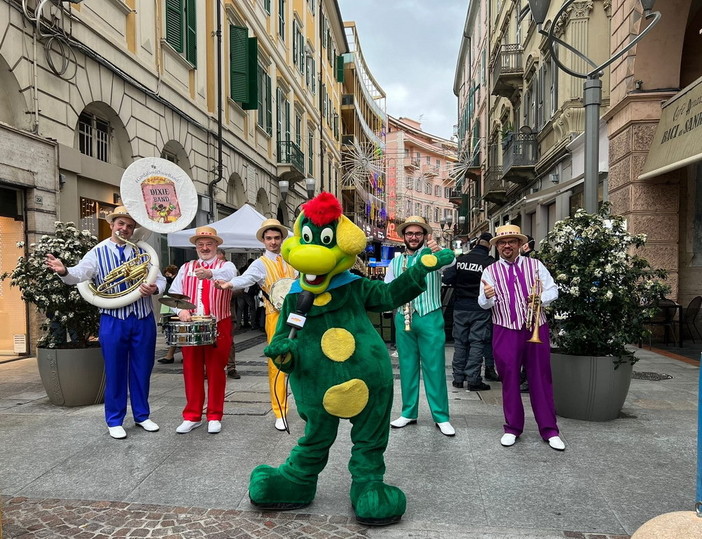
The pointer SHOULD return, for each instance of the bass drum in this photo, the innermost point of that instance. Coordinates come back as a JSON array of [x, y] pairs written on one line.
[[89, 292]]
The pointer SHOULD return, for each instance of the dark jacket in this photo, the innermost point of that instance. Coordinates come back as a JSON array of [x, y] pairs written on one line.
[[465, 275]]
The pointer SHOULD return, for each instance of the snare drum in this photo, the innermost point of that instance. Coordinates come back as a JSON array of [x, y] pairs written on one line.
[[201, 330]]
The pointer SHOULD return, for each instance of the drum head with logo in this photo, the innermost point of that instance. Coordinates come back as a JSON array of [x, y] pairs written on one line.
[[159, 195]]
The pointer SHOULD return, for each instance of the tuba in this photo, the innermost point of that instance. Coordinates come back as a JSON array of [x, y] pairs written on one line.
[[161, 198], [534, 311]]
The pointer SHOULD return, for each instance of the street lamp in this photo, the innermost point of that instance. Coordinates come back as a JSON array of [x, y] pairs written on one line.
[[592, 96], [447, 224], [309, 186], [284, 186]]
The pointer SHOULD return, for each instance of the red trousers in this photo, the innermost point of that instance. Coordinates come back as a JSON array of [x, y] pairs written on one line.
[[213, 359]]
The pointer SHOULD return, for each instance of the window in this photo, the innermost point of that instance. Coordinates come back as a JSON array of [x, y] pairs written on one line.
[[436, 215], [243, 72], [298, 47], [267, 6], [282, 116], [310, 150], [427, 212], [310, 5], [427, 159], [281, 18], [181, 28], [437, 192], [265, 106], [298, 130], [417, 208], [310, 73], [94, 137]]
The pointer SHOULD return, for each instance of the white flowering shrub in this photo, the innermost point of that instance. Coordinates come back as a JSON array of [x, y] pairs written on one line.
[[605, 291], [65, 310]]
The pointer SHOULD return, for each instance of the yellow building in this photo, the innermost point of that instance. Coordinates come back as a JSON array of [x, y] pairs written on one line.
[[243, 98]]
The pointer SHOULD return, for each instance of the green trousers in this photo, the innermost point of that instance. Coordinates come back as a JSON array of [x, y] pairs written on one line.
[[423, 346]]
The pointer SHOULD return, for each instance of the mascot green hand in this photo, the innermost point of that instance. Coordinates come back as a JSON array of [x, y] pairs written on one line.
[[338, 364], [282, 353]]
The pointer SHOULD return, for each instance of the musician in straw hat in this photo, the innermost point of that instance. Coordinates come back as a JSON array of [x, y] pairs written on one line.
[[513, 287], [265, 271], [419, 331], [127, 334], [196, 279]]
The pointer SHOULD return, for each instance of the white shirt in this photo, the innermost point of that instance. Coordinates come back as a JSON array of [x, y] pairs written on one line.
[[255, 274]]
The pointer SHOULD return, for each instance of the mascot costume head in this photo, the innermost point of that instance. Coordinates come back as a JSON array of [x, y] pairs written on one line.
[[338, 365]]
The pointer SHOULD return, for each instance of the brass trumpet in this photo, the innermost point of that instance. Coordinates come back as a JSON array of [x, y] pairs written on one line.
[[534, 311]]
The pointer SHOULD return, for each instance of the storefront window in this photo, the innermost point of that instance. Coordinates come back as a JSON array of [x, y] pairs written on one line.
[[92, 217]]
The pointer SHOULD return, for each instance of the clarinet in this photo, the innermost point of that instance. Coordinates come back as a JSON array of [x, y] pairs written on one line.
[[407, 308]]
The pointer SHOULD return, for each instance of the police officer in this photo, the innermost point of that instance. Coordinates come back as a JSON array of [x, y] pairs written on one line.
[[472, 326]]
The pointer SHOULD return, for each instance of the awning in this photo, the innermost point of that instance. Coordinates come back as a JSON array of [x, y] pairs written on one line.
[[678, 139]]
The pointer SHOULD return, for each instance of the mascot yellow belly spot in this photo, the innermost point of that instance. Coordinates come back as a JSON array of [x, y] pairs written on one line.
[[338, 365]]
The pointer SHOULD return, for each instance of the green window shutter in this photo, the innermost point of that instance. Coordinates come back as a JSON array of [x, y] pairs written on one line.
[[269, 105], [340, 68], [239, 63], [174, 24], [190, 33], [252, 80]]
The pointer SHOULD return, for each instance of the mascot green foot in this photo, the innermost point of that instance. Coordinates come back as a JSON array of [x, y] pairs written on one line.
[[269, 489], [377, 504]]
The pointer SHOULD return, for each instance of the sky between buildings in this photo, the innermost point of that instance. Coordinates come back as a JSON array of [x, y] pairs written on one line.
[[411, 48]]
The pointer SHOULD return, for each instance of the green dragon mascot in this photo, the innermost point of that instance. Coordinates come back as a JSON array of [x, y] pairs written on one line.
[[338, 365]]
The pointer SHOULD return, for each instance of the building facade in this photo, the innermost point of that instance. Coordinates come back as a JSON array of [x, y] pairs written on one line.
[[240, 98]]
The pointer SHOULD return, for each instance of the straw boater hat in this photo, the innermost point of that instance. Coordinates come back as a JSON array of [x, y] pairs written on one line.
[[414, 220], [119, 211], [508, 231], [206, 232], [271, 223]]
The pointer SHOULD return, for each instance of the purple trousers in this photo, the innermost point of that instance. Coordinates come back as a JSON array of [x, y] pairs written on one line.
[[511, 351]]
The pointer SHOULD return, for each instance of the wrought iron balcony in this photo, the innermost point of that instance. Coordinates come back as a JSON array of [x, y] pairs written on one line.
[[519, 157], [291, 161], [455, 197], [494, 186], [508, 70]]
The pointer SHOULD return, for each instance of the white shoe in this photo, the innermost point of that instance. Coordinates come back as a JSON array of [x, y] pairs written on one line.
[[186, 426], [118, 432], [402, 422], [508, 440], [148, 425], [214, 426], [556, 443], [446, 429], [279, 423]]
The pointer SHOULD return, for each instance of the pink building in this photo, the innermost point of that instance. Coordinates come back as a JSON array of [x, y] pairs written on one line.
[[419, 169]]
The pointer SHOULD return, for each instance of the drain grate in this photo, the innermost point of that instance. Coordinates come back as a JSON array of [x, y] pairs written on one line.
[[650, 376]]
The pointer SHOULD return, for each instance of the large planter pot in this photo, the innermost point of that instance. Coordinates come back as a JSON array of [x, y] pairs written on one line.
[[72, 377], [589, 388]]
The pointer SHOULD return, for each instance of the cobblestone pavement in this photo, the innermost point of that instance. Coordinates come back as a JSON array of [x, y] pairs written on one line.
[[29, 518], [25, 518]]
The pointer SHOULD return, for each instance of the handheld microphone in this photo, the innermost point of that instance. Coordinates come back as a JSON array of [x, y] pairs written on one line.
[[297, 319]]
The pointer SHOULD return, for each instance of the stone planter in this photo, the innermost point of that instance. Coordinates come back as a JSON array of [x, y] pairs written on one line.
[[589, 388], [72, 377]]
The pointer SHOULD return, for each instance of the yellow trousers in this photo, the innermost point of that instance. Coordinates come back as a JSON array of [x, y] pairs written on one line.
[[276, 379]]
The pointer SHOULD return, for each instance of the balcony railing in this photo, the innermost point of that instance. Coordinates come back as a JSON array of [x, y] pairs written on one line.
[[290, 153], [495, 190], [508, 70], [519, 157]]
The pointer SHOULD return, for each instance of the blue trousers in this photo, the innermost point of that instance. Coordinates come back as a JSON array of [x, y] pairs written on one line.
[[128, 347]]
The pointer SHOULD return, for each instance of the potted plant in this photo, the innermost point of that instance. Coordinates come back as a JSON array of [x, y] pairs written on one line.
[[68, 356], [605, 295]]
